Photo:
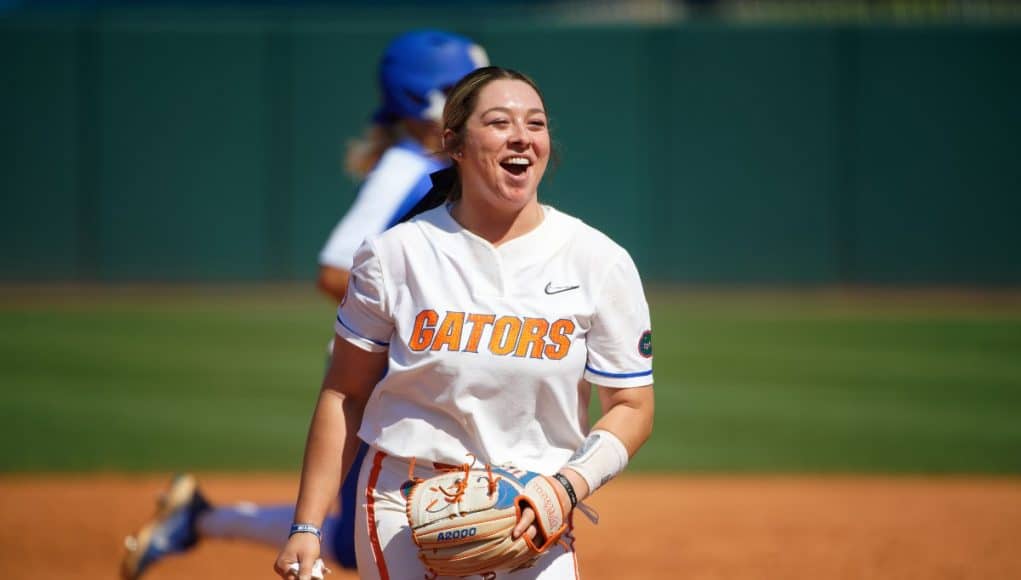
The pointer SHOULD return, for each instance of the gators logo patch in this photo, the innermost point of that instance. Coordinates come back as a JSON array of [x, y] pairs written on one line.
[[645, 344]]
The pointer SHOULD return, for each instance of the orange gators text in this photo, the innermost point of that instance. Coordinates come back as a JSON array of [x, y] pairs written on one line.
[[519, 336]]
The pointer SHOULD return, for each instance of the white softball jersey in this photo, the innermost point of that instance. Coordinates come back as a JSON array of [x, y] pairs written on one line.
[[398, 181], [492, 348]]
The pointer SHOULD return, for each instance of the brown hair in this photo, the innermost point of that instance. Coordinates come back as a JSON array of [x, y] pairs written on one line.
[[461, 103]]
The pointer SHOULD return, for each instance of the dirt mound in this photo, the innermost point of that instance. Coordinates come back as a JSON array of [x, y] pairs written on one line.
[[700, 528]]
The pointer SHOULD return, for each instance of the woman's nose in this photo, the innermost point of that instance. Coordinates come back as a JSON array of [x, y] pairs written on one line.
[[519, 135]]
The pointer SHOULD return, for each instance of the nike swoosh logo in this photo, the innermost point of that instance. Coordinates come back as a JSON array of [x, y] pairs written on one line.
[[551, 289]]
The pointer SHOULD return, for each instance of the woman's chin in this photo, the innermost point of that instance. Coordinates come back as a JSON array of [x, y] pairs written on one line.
[[515, 199], [507, 196], [517, 192]]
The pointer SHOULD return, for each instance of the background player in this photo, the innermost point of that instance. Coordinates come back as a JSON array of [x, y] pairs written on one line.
[[488, 312], [395, 158]]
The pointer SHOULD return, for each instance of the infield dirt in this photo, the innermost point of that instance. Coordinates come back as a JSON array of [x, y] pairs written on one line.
[[691, 527]]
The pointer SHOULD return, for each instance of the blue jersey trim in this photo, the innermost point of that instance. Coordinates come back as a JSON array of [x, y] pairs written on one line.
[[411, 199], [618, 375], [342, 323]]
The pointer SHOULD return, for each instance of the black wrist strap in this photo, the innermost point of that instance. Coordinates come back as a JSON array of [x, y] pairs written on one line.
[[567, 486]]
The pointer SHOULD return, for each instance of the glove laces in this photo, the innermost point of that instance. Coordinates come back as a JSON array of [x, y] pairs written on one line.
[[455, 492]]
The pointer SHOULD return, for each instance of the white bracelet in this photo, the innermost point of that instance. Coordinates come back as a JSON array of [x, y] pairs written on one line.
[[599, 459]]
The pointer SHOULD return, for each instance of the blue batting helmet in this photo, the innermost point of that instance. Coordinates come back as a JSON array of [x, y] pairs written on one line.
[[417, 69]]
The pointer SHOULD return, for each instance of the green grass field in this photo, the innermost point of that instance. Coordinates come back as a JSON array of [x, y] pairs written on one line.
[[225, 381]]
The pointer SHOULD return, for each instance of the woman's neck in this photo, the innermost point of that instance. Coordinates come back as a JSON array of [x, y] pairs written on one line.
[[494, 226]]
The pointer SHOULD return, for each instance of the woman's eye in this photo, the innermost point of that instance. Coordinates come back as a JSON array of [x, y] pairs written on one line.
[[537, 123], [499, 122]]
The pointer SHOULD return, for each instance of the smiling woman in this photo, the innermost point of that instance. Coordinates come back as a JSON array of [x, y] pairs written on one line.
[[497, 134], [489, 318]]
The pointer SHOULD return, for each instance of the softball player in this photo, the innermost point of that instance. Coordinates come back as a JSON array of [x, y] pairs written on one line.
[[395, 160], [492, 315]]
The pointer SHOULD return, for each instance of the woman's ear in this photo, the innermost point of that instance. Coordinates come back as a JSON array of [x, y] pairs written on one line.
[[448, 142]]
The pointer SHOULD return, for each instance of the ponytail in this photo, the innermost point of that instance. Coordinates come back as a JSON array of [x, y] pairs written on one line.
[[363, 154]]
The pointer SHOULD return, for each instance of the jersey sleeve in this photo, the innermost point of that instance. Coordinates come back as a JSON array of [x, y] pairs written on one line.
[[620, 339], [387, 194], [347, 236], [363, 318], [414, 196]]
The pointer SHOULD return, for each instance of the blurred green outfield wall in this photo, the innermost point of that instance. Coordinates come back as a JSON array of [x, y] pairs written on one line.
[[209, 147]]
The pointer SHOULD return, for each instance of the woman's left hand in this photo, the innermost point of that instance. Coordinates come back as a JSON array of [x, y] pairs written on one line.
[[526, 524]]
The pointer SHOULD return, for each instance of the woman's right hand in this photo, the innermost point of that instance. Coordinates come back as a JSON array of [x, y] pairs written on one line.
[[302, 548]]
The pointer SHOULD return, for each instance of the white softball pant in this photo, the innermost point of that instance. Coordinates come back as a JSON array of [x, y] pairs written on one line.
[[383, 543]]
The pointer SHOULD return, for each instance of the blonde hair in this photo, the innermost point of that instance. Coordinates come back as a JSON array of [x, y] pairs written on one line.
[[363, 153], [461, 104]]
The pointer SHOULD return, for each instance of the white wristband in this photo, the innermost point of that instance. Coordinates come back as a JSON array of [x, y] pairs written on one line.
[[599, 459]]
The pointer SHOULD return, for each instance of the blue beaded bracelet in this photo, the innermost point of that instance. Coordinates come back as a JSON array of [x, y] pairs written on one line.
[[306, 529]]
